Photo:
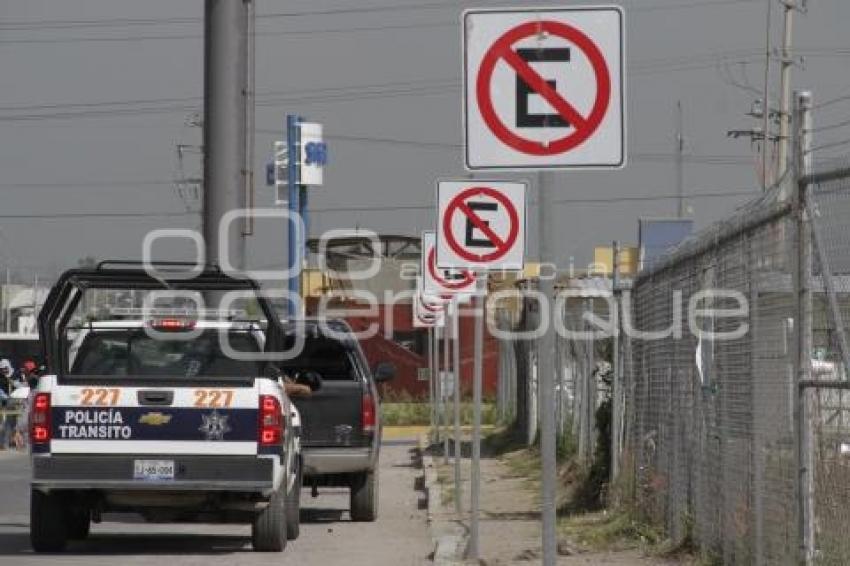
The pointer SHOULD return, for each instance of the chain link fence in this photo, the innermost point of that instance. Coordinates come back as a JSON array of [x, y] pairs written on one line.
[[711, 415], [733, 423], [826, 403]]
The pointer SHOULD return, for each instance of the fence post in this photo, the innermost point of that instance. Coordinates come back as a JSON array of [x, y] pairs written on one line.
[[616, 386], [803, 354]]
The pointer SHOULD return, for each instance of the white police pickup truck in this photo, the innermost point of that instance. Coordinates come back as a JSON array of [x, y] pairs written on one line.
[[173, 417]]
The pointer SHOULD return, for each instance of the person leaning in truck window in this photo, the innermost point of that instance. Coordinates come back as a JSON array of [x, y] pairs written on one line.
[[295, 389]]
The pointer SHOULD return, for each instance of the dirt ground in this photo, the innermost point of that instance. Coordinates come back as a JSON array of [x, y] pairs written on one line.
[[510, 521]]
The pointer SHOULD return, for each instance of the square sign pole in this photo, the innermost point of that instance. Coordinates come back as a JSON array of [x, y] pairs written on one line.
[[481, 225], [544, 89]]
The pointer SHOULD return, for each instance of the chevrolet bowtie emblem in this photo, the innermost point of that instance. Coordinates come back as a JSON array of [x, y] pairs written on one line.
[[155, 419]]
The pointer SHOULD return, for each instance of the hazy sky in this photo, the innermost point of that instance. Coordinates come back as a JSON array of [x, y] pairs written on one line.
[[96, 95]]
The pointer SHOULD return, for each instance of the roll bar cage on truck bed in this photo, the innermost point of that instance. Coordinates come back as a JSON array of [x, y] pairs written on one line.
[[66, 294]]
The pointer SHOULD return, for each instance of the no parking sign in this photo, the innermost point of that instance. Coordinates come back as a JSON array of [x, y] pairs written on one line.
[[544, 88], [481, 225], [438, 281]]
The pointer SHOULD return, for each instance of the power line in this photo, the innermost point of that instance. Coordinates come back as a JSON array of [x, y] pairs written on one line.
[[609, 200], [87, 215], [450, 81], [31, 25], [830, 145], [89, 185], [312, 98], [831, 102], [293, 34], [704, 159], [141, 22], [831, 127]]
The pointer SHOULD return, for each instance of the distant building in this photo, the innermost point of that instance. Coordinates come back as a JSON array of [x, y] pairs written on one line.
[[657, 236], [21, 305], [397, 340]]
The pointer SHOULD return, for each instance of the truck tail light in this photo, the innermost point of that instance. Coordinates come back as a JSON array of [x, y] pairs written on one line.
[[172, 325], [367, 413], [270, 421], [40, 419]]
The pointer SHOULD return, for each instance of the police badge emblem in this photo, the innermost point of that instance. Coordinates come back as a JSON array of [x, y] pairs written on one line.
[[214, 426]]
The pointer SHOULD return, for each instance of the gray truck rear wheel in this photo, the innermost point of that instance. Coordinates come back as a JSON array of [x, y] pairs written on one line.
[[47, 522], [364, 497], [268, 531], [293, 507]]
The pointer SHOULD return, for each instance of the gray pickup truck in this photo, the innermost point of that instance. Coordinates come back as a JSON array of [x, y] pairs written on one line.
[[341, 423]]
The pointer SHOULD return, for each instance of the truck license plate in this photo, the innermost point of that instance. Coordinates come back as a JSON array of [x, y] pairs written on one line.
[[153, 469]]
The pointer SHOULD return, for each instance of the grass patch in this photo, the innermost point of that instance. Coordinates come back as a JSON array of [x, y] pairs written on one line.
[[419, 414], [447, 488], [607, 530]]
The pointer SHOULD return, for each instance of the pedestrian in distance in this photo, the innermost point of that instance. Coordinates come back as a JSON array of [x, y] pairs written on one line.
[[29, 374], [8, 384]]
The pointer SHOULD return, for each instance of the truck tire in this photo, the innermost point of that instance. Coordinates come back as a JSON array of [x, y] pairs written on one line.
[[364, 497], [78, 523], [293, 507], [268, 531], [47, 522]]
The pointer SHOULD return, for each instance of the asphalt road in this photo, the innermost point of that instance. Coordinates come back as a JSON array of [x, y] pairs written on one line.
[[398, 538]]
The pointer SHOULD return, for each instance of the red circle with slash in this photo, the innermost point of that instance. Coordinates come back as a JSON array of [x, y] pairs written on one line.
[[502, 50], [468, 278], [502, 244], [431, 307]]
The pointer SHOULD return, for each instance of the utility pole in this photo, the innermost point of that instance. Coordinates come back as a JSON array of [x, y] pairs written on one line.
[[225, 94], [680, 166], [250, 116], [766, 102], [786, 64]]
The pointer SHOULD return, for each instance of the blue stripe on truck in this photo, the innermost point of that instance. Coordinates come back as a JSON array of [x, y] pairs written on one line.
[[154, 423]]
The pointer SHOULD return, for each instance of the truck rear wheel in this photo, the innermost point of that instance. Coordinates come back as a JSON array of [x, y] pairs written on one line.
[[47, 522], [293, 507], [364, 497], [78, 523], [268, 531]]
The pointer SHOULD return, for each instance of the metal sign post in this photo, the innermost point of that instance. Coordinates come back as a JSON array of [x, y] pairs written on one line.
[[455, 316], [294, 249], [446, 370], [431, 381], [480, 227], [574, 59], [479, 312], [438, 387], [297, 164], [546, 376]]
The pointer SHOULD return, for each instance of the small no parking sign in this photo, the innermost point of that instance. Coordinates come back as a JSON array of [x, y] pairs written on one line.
[[481, 225]]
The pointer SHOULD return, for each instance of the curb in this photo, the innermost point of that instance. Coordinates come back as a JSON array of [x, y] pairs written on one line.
[[448, 536]]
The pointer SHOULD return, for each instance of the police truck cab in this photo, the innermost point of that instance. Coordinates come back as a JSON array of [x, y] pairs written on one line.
[[172, 410]]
